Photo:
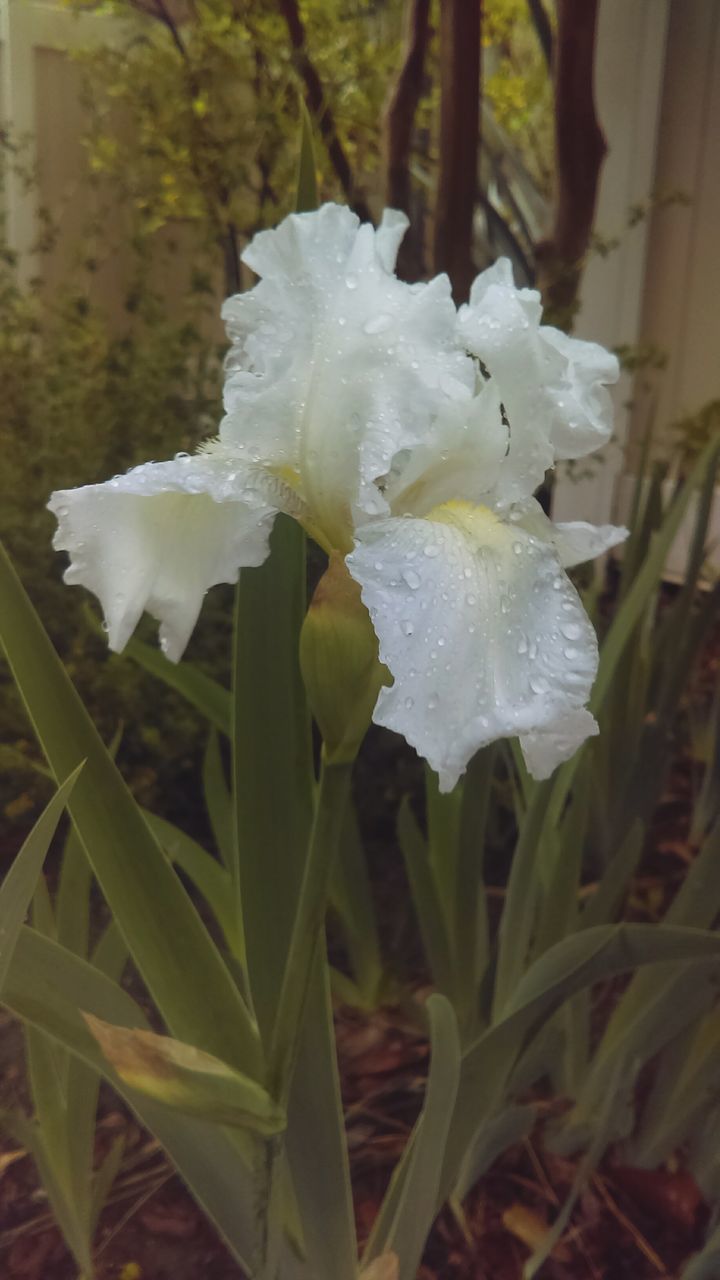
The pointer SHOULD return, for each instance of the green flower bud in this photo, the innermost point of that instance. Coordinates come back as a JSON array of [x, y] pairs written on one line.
[[339, 661]]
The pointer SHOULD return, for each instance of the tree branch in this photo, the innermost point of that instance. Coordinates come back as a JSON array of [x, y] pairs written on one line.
[[543, 30], [580, 149], [319, 107], [460, 27], [398, 122]]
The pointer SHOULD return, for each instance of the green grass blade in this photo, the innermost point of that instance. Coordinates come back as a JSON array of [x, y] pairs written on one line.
[[19, 884], [169, 944]]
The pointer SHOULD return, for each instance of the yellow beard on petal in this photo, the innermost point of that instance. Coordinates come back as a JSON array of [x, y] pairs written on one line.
[[478, 523]]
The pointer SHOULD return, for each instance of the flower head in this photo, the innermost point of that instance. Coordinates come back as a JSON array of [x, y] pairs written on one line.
[[407, 436]]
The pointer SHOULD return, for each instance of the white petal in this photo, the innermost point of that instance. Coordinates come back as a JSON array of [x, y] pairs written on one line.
[[389, 235], [460, 459], [336, 365], [159, 537], [484, 634], [575, 542], [583, 410], [552, 386], [545, 749]]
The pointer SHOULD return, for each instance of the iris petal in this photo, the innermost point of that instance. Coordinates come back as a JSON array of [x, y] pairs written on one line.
[[157, 538], [483, 633]]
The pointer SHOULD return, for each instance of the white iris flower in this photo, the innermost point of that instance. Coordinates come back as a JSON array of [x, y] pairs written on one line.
[[410, 437]]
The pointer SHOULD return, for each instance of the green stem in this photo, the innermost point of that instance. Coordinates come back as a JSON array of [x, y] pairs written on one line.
[[332, 799]]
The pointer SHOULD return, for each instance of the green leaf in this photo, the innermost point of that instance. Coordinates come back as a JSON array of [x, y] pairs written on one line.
[[570, 966], [171, 947], [411, 1201], [272, 759], [186, 1078], [351, 899], [425, 899], [218, 801], [204, 694], [206, 873], [19, 884], [315, 1140], [47, 986]]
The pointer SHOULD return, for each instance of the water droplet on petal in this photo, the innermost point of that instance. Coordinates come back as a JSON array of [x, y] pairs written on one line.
[[522, 645], [432, 702], [409, 703], [351, 282], [407, 627], [378, 324], [518, 548], [411, 578], [571, 631], [470, 599], [431, 549]]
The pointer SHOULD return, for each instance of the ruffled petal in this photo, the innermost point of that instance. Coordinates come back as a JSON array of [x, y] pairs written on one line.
[[335, 364], [157, 538], [552, 386], [483, 633], [575, 541]]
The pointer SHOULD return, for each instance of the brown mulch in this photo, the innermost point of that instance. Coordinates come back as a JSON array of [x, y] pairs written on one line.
[[628, 1224]]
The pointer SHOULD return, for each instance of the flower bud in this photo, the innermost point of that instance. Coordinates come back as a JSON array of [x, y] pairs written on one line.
[[339, 661]]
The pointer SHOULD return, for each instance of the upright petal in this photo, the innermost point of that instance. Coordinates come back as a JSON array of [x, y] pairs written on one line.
[[336, 365], [546, 748], [160, 536], [552, 386], [484, 634]]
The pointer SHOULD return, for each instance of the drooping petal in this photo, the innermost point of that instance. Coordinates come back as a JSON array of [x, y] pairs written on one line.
[[575, 541], [484, 634], [157, 538], [552, 386], [546, 748], [336, 365]]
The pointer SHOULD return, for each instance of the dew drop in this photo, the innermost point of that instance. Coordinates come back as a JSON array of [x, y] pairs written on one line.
[[407, 627], [378, 324], [518, 548], [571, 631], [470, 599], [538, 685], [432, 702], [351, 282], [522, 645], [431, 549], [409, 703], [411, 578]]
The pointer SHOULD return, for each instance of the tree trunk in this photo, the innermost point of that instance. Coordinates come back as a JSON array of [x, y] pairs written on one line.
[[398, 123], [460, 28], [319, 107], [580, 150]]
